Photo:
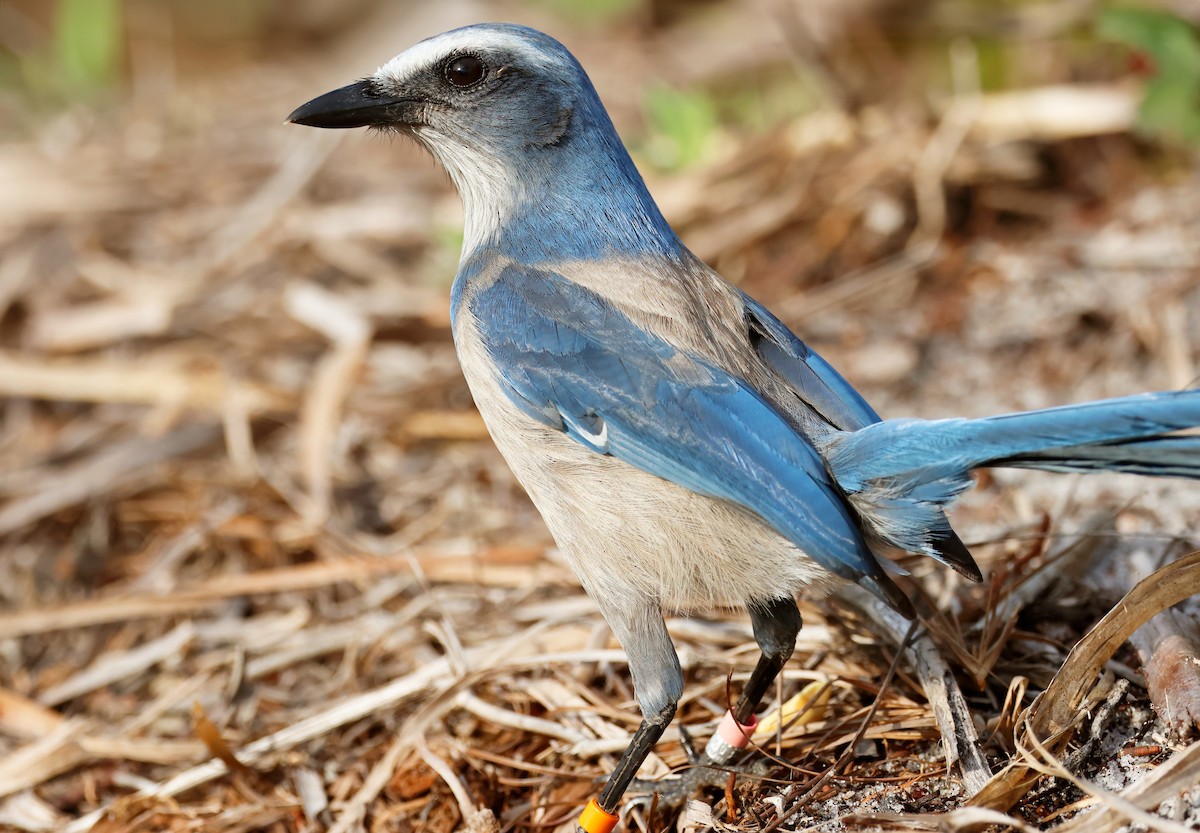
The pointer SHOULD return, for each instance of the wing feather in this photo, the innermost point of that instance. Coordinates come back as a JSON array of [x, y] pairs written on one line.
[[572, 361]]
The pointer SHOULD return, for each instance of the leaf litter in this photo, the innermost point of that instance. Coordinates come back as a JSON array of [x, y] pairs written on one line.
[[261, 568]]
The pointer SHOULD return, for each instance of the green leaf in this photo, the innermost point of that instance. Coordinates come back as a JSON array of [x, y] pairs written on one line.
[[681, 126], [1171, 109], [1170, 41], [592, 12], [88, 40], [1171, 102]]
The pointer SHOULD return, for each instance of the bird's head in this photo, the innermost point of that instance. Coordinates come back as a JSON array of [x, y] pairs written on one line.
[[497, 88], [516, 122]]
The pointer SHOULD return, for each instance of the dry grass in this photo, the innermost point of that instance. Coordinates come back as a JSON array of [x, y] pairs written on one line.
[[261, 568]]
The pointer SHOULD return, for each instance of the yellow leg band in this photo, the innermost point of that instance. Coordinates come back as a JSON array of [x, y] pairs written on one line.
[[594, 819]]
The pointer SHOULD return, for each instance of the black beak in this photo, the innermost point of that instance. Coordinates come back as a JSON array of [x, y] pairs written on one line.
[[358, 105]]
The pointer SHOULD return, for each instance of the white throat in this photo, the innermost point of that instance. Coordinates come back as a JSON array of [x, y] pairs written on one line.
[[487, 188]]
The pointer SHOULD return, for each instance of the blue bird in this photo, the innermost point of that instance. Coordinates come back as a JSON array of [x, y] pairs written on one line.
[[684, 447]]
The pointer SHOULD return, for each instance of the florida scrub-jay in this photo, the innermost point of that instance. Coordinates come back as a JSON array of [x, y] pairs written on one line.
[[684, 447]]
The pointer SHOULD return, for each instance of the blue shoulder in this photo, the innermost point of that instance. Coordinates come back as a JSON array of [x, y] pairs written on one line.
[[573, 362], [810, 376]]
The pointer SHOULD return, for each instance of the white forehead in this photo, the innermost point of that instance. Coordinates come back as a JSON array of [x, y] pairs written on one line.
[[482, 39]]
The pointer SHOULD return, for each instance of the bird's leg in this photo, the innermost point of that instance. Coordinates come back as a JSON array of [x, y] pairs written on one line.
[[658, 681], [647, 734], [776, 626]]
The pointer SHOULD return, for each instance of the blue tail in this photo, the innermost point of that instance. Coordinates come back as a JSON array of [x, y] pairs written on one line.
[[900, 474]]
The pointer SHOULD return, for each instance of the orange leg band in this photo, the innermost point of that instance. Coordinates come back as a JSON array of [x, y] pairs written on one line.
[[595, 819]]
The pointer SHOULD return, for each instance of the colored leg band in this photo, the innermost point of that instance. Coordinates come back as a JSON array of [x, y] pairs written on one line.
[[729, 738], [594, 819]]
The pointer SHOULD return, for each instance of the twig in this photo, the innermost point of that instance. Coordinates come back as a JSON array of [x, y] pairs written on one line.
[[959, 739], [478, 568], [817, 784], [355, 808], [350, 334], [107, 471], [466, 807], [515, 720], [113, 665], [1167, 645]]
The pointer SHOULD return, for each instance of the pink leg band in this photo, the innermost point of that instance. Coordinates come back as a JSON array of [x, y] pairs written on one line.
[[729, 738]]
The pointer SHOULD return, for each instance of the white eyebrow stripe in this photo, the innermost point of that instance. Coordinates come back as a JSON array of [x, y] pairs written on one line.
[[428, 52]]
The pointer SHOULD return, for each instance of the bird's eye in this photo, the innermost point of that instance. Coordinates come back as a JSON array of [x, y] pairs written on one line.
[[465, 71]]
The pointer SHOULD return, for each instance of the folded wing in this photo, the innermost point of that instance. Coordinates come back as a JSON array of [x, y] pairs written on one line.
[[572, 361]]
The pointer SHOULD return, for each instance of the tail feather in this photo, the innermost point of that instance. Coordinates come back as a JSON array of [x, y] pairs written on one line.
[[1161, 457], [900, 474], [949, 549]]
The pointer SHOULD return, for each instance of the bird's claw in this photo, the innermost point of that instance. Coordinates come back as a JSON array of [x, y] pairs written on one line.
[[694, 758], [673, 793], [701, 772]]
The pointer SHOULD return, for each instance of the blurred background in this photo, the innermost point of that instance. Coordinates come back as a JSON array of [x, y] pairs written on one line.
[[242, 482]]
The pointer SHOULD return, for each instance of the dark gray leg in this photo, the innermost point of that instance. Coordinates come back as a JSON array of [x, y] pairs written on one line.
[[648, 733], [657, 681], [776, 626]]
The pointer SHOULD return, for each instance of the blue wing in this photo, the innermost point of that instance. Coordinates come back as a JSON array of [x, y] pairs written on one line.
[[825, 391], [810, 376], [571, 361]]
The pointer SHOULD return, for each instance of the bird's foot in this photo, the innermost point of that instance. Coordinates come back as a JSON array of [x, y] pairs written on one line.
[[689, 747], [713, 767], [674, 793], [702, 771]]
